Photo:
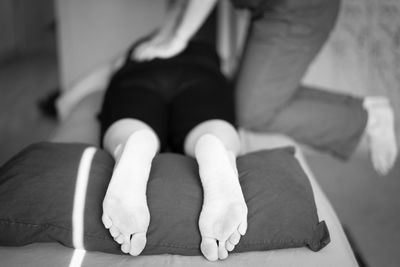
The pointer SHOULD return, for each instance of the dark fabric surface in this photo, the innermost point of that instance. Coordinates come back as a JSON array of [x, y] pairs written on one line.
[[37, 193], [256, 7], [172, 96], [198, 54]]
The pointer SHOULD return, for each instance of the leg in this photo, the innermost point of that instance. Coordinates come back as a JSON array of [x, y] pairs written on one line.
[[125, 212], [327, 121], [223, 219], [201, 125], [133, 127], [335, 123], [279, 49]]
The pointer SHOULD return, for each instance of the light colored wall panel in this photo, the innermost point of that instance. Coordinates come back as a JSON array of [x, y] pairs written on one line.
[[7, 37], [92, 32]]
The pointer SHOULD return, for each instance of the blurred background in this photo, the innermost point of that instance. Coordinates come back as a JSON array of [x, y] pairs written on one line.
[[49, 45]]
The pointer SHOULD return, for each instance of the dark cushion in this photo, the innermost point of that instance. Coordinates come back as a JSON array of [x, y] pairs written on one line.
[[37, 189]]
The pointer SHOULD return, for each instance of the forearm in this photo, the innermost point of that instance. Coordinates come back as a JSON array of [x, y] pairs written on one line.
[[193, 16], [175, 11], [183, 19]]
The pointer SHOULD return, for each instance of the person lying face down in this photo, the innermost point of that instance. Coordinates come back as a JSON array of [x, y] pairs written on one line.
[[184, 105]]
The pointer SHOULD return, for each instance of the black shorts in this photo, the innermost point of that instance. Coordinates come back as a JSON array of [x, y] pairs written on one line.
[[172, 96]]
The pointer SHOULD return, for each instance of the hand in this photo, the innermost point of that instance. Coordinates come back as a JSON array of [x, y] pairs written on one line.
[[158, 46]]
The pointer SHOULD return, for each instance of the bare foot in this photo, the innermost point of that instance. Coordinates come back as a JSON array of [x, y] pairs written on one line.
[[223, 218], [125, 210], [381, 133]]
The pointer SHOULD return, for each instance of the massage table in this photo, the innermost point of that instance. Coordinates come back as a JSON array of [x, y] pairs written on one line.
[[79, 124]]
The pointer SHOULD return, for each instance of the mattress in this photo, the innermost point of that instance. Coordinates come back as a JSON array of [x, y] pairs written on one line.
[[81, 126]]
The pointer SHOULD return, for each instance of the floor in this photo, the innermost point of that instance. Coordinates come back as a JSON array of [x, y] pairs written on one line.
[[368, 205]]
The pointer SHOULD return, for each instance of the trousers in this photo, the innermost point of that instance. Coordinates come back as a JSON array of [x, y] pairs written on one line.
[[281, 44]]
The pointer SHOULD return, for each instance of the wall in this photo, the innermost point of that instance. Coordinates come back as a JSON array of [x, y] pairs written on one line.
[[24, 25], [7, 38], [92, 32], [33, 22]]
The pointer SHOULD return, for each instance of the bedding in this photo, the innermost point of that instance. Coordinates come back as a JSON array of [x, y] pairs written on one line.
[[38, 191]]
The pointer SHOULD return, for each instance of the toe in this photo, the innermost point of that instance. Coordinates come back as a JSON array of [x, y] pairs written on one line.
[[126, 244], [138, 242], [119, 239], [229, 246], [385, 167], [127, 238], [125, 247], [222, 252], [382, 166], [209, 248], [114, 231], [375, 163], [106, 221], [234, 238], [243, 227]]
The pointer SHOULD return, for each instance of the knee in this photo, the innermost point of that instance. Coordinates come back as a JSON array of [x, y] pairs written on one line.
[[221, 129], [119, 132]]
